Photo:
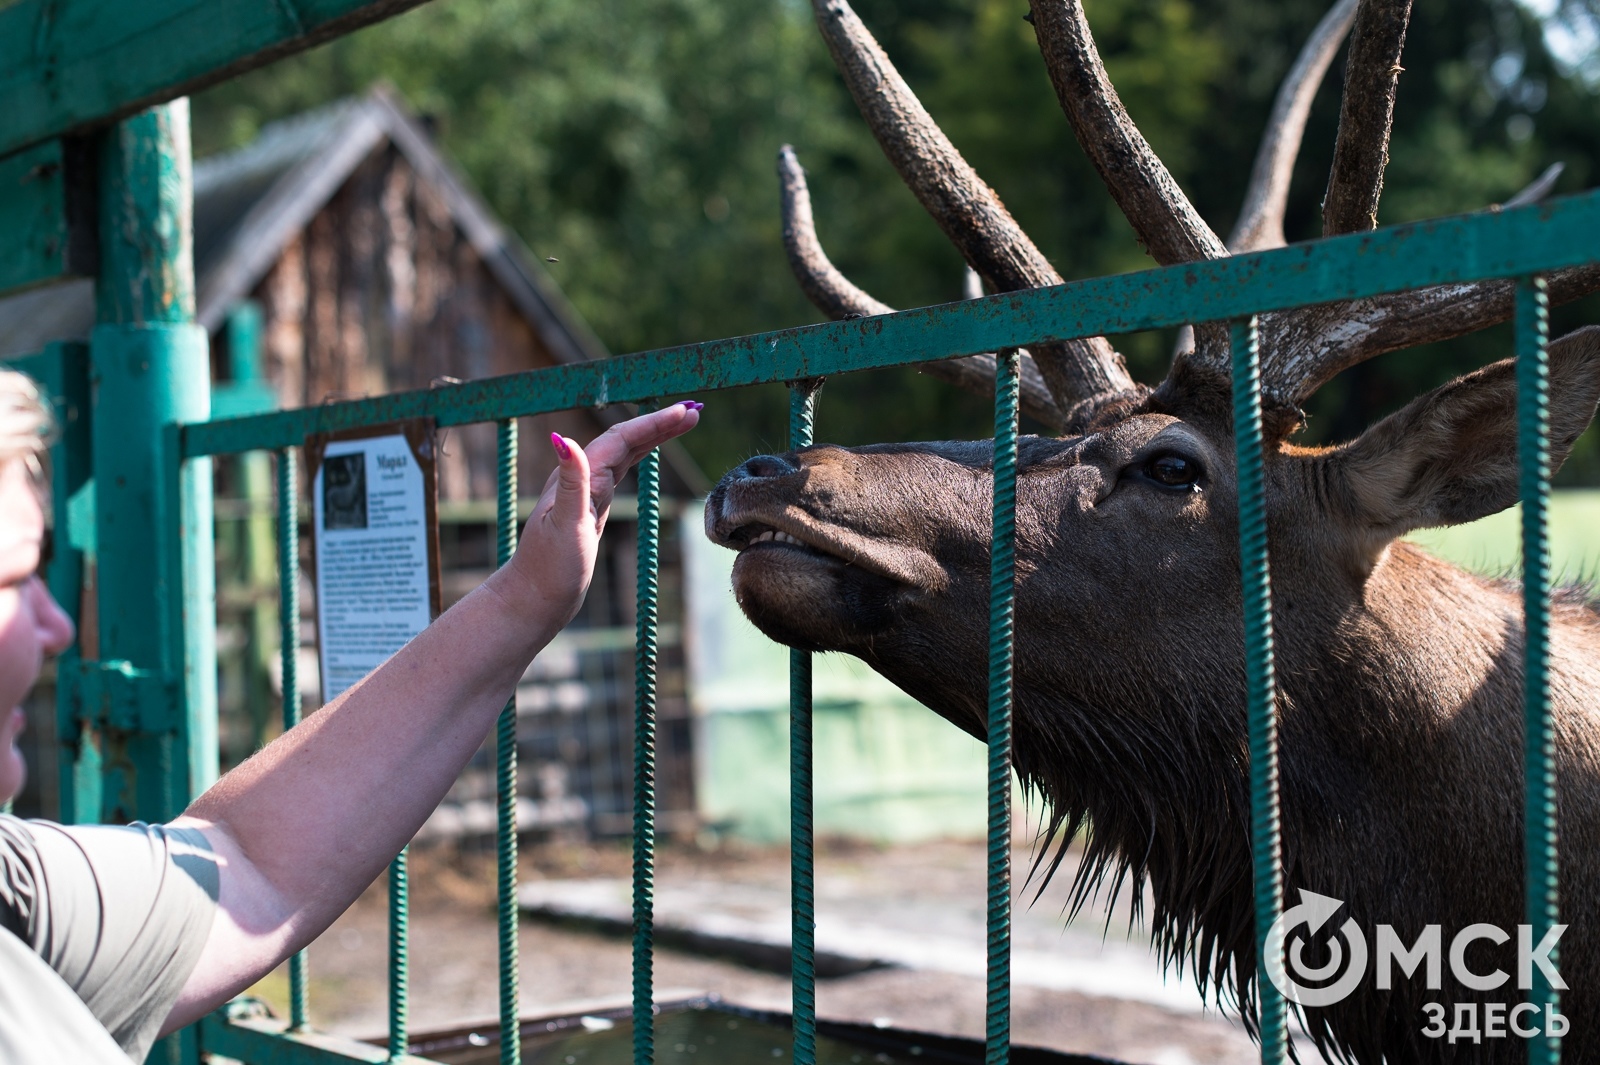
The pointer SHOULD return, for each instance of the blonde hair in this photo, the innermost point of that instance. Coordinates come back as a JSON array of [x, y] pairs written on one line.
[[27, 428]]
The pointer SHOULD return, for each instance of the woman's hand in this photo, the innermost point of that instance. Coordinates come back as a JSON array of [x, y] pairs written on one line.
[[550, 572], [304, 826]]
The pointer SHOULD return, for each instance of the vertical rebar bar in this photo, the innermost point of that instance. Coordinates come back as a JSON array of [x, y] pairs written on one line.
[[289, 658], [802, 853], [644, 759], [399, 960], [505, 748], [1266, 847], [1002, 580], [1533, 453]]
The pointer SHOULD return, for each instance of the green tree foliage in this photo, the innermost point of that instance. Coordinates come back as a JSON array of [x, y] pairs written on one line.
[[633, 140]]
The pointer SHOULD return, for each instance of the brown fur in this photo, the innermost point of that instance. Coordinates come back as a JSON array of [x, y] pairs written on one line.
[[1399, 675]]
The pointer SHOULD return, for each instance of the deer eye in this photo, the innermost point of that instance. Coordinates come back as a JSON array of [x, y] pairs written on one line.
[[1173, 471]]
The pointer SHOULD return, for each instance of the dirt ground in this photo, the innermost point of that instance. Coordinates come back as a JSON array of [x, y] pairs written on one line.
[[453, 957]]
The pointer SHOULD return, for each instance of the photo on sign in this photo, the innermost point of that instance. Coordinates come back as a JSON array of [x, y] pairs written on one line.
[[344, 491]]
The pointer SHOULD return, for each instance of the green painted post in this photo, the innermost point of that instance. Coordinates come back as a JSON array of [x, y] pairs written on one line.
[[1002, 649], [151, 370], [156, 580], [78, 761], [505, 749], [802, 853], [62, 371], [1533, 453], [1265, 830], [257, 539]]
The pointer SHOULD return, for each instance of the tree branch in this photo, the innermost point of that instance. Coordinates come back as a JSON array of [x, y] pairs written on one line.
[[1162, 216], [1260, 223], [1366, 114]]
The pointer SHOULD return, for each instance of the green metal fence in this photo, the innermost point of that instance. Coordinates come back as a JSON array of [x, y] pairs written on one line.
[[131, 476], [1520, 244], [150, 684]]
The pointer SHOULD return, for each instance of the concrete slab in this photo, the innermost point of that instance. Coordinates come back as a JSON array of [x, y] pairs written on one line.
[[750, 922]]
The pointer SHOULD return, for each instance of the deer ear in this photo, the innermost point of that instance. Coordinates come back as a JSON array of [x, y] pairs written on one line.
[[1451, 456]]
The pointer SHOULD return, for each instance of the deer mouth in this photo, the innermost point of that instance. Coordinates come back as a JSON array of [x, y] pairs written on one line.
[[795, 538]]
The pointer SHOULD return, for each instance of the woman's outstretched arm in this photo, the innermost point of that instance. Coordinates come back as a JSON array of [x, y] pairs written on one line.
[[306, 824]]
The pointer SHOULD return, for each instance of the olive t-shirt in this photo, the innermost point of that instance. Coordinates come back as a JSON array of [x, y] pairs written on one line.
[[110, 921]]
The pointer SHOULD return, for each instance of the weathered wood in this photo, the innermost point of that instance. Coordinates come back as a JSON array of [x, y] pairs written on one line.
[[383, 291], [70, 65]]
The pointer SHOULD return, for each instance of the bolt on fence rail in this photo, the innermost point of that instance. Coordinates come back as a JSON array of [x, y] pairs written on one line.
[[1518, 244]]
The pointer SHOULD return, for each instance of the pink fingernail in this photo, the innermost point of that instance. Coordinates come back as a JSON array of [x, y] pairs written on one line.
[[561, 447]]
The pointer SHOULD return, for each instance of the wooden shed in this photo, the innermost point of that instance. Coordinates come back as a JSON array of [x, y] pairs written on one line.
[[364, 263]]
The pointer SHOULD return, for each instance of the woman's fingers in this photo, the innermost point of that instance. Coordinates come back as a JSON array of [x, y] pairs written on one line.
[[625, 443], [570, 508]]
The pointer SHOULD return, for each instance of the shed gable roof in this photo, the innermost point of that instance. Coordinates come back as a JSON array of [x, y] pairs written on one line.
[[249, 203]]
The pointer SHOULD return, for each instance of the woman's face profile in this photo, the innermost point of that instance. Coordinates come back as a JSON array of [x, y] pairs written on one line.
[[32, 624]]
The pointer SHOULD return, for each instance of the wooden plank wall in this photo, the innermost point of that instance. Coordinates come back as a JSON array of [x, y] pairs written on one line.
[[381, 293]]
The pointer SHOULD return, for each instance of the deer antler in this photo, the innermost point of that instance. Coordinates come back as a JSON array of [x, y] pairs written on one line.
[[837, 297], [1303, 351], [1162, 216], [1371, 81], [1538, 188], [1260, 223], [821, 281], [967, 209]]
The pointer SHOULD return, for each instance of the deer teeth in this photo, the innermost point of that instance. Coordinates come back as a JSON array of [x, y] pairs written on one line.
[[775, 536]]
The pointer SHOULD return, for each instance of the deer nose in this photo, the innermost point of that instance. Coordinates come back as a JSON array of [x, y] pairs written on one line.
[[763, 466]]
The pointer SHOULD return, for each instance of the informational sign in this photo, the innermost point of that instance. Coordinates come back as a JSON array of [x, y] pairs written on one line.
[[376, 541]]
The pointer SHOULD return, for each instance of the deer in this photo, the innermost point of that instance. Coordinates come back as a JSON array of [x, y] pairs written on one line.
[[1398, 693]]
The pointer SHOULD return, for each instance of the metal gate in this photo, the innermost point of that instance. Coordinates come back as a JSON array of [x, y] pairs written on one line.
[[137, 431]]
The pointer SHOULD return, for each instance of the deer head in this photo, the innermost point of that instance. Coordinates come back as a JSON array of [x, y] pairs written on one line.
[[1398, 674]]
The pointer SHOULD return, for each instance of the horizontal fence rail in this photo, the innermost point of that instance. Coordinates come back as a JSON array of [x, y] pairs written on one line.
[[1465, 248]]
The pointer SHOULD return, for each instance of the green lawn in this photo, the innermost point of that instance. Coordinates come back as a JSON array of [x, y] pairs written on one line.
[[1494, 544]]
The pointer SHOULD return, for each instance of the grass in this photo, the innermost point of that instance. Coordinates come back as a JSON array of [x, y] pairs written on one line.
[[1493, 545]]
